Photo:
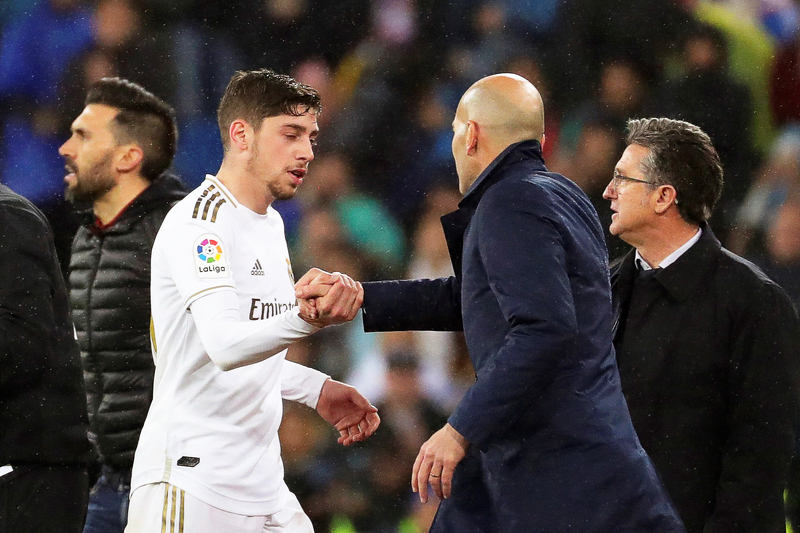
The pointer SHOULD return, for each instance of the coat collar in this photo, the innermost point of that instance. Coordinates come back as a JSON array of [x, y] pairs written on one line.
[[683, 276], [455, 224], [527, 150]]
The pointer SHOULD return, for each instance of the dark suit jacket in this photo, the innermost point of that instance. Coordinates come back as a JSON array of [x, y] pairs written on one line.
[[708, 357], [42, 402], [552, 446]]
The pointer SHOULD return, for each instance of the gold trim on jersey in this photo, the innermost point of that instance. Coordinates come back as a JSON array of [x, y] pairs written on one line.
[[214, 195], [209, 289], [153, 335], [171, 509], [221, 188]]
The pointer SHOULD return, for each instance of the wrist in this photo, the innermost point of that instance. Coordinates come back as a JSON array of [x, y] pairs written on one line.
[[458, 437]]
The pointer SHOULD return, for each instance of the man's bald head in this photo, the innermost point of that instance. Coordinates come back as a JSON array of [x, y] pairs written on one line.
[[496, 112], [508, 106]]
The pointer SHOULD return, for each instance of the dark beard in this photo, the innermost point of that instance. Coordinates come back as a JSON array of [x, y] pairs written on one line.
[[80, 197], [78, 205], [92, 187]]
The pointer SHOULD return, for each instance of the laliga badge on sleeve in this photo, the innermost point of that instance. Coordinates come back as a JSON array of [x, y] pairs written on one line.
[[210, 257]]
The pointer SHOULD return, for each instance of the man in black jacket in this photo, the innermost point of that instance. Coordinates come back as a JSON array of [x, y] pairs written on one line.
[[707, 345], [43, 445], [121, 144]]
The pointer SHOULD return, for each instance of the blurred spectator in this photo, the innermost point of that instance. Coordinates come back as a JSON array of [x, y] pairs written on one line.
[[590, 137], [405, 408], [204, 60], [590, 32], [776, 177], [785, 83], [782, 262], [316, 72], [408, 419], [366, 223], [426, 160], [319, 231], [750, 52], [622, 92], [35, 49], [388, 72], [709, 97], [492, 44], [123, 46], [534, 19], [280, 34], [309, 461]]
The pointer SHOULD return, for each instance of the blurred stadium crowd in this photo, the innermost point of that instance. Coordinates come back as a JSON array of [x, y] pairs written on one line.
[[390, 73]]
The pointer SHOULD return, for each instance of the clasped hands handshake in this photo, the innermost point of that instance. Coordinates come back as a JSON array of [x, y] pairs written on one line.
[[328, 298], [332, 298]]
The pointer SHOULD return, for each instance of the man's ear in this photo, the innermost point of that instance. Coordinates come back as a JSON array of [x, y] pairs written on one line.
[[239, 134], [667, 196], [130, 158], [471, 137]]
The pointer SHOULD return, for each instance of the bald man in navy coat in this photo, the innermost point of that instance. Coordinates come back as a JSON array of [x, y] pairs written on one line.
[[543, 441]]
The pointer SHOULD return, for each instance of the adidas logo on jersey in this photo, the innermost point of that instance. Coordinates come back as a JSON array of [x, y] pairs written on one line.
[[257, 270]]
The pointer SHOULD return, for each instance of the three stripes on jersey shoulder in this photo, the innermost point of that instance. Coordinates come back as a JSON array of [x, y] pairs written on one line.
[[209, 201]]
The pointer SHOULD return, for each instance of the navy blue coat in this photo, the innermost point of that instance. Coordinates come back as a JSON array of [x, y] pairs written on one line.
[[552, 447]]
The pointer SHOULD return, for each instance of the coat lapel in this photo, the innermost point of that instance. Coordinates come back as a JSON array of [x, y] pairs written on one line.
[[455, 225]]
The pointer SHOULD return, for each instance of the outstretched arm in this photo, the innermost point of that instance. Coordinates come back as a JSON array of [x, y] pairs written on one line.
[[232, 342]]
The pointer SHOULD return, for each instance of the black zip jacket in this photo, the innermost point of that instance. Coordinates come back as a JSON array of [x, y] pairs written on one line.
[[110, 297]]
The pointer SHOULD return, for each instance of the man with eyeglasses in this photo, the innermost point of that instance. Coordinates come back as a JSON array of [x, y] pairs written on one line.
[[706, 343]]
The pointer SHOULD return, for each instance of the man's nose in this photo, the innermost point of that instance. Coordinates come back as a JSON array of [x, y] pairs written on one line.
[[609, 192]]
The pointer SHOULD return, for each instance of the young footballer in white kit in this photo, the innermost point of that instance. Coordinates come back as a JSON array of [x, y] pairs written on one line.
[[224, 313]]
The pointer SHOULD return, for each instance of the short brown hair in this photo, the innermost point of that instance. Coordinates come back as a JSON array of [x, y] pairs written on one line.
[[258, 94], [681, 155]]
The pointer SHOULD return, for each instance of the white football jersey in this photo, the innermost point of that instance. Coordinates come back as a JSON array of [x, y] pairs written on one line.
[[211, 432]]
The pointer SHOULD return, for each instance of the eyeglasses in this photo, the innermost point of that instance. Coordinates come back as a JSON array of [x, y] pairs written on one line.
[[619, 178]]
